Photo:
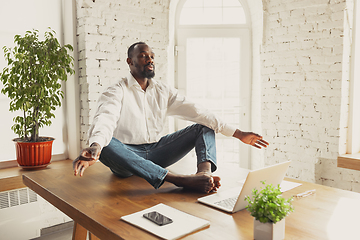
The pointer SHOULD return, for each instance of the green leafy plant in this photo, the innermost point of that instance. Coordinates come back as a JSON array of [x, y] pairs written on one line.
[[31, 80], [268, 205]]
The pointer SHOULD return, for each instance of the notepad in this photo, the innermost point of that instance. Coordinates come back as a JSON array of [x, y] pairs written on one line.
[[183, 223]]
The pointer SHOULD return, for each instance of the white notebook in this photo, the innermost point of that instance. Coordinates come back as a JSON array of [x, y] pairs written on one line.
[[182, 224]]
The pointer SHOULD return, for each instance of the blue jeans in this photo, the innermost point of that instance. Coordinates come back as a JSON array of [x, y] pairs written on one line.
[[150, 160]]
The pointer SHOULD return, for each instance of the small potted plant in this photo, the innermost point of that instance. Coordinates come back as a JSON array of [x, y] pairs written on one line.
[[32, 82], [269, 210]]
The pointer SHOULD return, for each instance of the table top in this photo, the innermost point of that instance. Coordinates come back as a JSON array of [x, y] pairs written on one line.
[[98, 200]]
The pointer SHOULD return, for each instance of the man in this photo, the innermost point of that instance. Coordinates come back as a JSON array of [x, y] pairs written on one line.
[[125, 133]]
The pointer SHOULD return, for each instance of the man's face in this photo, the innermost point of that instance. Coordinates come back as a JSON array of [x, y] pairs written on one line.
[[143, 61]]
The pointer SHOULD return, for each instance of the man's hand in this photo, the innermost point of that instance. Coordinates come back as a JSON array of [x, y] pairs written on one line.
[[87, 157], [251, 138]]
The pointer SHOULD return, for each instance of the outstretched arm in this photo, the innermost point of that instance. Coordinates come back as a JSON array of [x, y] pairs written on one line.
[[87, 157], [251, 138]]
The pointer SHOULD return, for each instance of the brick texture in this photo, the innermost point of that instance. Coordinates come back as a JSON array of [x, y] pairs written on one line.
[[105, 30], [300, 73], [305, 65]]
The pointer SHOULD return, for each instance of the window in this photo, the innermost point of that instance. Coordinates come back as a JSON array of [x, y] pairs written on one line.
[[206, 12], [213, 66], [353, 141], [38, 14], [349, 147]]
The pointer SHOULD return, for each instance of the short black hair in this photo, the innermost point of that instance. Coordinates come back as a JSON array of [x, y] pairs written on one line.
[[131, 48]]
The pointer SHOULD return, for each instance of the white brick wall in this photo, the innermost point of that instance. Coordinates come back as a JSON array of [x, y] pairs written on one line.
[[305, 62], [300, 73], [105, 29]]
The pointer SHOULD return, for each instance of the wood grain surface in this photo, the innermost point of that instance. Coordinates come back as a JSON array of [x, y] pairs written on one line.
[[97, 200]]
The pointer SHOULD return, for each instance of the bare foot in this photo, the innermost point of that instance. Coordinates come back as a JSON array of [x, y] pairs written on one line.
[[216, 182], [201, 181]]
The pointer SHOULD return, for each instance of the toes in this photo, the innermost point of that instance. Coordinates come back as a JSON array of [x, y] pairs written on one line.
[[216, 178], [216, 181], [211, 180]]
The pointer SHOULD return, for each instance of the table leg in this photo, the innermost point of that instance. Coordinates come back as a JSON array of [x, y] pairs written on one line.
[[93, 237], [79, 232]]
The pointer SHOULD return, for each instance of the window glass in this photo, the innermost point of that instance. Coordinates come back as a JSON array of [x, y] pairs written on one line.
[[213, 67], [21, 16], [212, 79], [200, 12]]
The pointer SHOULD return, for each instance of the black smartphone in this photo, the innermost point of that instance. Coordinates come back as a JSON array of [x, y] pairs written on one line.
[[157, 218]]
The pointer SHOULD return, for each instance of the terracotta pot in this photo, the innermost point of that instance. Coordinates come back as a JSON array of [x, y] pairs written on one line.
[[31, 155]]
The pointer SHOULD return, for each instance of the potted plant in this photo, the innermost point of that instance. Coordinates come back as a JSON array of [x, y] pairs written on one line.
[[269, 210], [32, 82]]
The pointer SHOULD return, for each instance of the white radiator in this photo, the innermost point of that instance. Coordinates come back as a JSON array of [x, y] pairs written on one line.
[[19, 215], [23, 214]]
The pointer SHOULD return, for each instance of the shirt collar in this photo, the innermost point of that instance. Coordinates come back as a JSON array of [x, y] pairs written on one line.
[[132, 82]]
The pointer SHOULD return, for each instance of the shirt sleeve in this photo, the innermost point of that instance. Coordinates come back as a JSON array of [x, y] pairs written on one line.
[[181, 107], [106, 116]]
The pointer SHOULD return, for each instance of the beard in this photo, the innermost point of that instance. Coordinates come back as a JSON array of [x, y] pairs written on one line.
[[145, 73], [148, 74]]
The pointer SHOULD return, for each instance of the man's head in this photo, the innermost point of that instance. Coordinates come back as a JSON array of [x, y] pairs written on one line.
[[141, 60]]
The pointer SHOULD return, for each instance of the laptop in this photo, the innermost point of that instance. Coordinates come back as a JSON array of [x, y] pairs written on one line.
[[233, 200]]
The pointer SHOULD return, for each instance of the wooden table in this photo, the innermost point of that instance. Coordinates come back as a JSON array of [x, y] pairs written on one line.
[[97, 201]]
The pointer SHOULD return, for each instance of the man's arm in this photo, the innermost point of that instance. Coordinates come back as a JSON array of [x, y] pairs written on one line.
[[101, 129], [179, 106], [107, 116], [251, 138], [88, 156]]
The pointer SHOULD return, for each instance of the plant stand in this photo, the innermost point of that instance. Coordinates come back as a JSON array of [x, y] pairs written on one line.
[[269, 231]]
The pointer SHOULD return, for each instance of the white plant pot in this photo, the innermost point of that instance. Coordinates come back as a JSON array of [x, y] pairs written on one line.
[[269, 231]]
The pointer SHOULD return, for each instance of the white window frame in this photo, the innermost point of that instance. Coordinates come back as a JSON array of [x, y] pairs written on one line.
[[72, 94], [350, 155], [353, 140], [239, 30]]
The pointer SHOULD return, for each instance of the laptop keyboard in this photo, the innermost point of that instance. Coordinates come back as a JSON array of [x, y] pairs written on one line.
[[228, 202]]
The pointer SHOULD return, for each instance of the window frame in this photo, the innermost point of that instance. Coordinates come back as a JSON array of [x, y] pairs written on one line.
[[353, 139], [244, 30], [349, 156], [207, 7]]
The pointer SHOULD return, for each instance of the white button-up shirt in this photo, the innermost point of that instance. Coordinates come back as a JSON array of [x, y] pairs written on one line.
[[135, 116]]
